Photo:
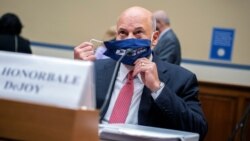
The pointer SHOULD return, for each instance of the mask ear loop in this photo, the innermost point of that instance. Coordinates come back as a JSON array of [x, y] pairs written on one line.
[[96, 43]]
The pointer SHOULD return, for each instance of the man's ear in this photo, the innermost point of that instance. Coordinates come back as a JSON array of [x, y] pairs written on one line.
[[155, 38]]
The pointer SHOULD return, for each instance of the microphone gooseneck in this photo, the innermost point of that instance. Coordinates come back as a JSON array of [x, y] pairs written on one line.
[[112, 83]]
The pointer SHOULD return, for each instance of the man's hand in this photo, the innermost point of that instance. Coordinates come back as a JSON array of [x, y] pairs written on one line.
[[149, 74], [85, 52]]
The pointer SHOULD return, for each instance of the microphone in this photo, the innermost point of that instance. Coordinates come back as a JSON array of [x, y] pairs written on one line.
[[112, 83]]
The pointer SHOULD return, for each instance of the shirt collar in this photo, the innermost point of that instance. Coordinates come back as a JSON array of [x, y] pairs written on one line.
[[124, 70], [164, 31]]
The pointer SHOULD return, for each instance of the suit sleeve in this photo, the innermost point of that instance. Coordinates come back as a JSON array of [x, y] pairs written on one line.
[[24, 46], [183, 109], [28, 48], [168, 50]]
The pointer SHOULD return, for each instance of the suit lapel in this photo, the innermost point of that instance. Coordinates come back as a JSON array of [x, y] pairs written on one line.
[[104, 71], [146, 99], [162, 69], [104, 81]]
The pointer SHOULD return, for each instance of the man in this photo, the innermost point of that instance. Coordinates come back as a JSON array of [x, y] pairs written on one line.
[[10, 38], [164, 95], [168, 47]]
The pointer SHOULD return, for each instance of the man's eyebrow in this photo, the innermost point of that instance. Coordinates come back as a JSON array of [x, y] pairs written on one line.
[[121, 29], [139, 28]]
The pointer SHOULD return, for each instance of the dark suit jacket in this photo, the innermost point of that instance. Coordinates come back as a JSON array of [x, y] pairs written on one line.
[[7, 43], [177, 107], [168, 48]]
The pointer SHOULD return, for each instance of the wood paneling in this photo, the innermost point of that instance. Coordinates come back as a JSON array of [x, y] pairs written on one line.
[[223, 106], [223, 110]]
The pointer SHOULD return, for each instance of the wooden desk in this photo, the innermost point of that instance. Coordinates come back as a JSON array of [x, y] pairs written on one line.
[[24, 121]]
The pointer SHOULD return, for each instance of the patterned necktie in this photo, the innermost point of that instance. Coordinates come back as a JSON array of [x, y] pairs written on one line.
[[122, 104]]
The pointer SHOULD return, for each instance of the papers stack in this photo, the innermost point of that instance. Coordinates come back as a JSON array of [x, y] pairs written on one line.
[[125, 132]]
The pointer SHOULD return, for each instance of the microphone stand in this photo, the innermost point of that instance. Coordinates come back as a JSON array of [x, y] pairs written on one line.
[[112, 83], [240, 125]]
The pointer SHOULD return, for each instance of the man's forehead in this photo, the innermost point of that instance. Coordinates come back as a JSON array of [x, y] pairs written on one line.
[[131, 28], [133, 23], [134, 11]]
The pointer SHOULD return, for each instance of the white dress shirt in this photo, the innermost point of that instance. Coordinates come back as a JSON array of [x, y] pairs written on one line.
[[121, 79]]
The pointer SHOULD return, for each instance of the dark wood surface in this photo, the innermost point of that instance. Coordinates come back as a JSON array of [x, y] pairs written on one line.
[[223, 106]]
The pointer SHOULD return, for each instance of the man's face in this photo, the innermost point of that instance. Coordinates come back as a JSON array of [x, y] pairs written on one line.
[[134, 25]]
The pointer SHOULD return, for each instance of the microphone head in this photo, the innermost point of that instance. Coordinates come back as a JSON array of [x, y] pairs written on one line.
[[129, 52]]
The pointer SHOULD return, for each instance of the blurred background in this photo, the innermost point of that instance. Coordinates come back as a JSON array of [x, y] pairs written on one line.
[[72, 22], [54, 27]]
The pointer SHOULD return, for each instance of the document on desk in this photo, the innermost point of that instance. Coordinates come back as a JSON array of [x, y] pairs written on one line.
[[126, 132]]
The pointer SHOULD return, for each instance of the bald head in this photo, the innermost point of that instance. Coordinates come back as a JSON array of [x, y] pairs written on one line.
[[137, 12], [137, 16], [162, 16], [162, 20], [137, 22]]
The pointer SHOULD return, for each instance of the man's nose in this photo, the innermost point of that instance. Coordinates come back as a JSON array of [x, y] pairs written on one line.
[[130, 35]]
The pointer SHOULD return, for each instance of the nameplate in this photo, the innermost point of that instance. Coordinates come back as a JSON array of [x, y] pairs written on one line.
[[46, 80]]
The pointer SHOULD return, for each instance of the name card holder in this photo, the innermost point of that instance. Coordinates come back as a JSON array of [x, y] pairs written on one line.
[[25, 121]]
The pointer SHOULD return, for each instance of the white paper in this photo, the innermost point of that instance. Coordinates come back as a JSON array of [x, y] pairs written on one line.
[[46, 80]]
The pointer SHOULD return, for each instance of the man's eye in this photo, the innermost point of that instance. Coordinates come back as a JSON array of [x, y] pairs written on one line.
[[122, 32], [138, 32]]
